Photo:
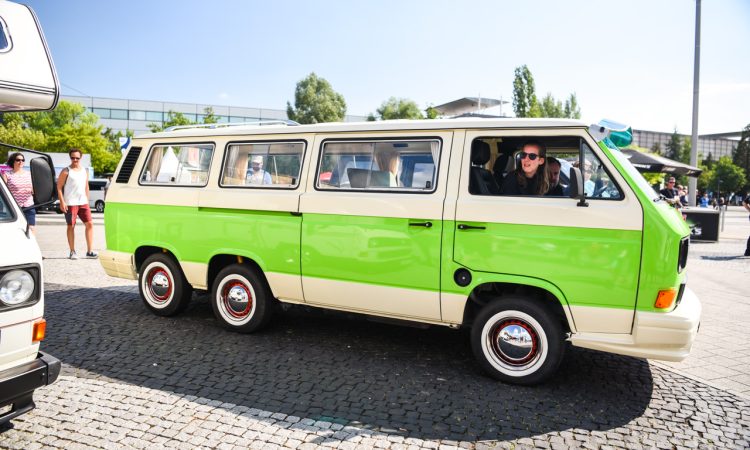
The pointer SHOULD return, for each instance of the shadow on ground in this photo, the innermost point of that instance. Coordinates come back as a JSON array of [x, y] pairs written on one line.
[[337, 367]]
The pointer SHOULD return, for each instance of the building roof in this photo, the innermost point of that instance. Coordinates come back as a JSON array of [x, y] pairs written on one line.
[[467, 104]]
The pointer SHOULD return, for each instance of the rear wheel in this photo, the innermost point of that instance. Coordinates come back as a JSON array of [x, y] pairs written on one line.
[[241, 299], [518, 340], [162, 285]]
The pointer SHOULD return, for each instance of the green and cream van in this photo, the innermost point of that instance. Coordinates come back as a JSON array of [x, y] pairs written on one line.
[[404, 220]]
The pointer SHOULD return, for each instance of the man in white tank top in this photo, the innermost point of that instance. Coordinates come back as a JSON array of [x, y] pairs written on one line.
[[73, 192]]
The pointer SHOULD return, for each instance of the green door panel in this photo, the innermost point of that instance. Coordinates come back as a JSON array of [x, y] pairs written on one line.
[[374, 250], [593, 267], [195, 235]]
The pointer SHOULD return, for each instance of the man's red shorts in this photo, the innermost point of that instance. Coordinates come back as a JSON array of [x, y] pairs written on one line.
[[82, 211]]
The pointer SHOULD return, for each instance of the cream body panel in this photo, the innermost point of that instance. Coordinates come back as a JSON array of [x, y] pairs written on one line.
[[118, 264], [623, 214], [667, 336], [285, 287], [452, 307], [408, 304], [591, 319], [195, 273]]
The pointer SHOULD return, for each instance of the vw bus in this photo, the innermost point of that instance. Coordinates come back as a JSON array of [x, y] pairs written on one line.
[[406, 220]]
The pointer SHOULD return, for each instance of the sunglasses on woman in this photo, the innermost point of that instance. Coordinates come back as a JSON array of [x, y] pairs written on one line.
[[20, 160], [532, 156]]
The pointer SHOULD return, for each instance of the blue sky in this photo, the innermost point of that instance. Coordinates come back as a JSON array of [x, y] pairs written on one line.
[[631, 61]]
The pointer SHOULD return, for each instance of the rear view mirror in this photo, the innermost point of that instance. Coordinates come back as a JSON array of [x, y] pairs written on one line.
[[43, 181], [576, 186], [28, 81]]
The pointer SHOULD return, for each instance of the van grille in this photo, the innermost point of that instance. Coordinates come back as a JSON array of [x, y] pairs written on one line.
[[682, 262], [128, 165]]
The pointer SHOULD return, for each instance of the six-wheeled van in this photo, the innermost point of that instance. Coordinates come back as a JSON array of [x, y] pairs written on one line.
[[27, 82], [426, 221]]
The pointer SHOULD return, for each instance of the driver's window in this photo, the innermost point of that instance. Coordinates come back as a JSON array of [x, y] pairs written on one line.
[[597, 182]]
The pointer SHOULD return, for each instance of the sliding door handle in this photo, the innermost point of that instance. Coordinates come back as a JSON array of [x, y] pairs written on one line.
[[463, 226], [421, 224]]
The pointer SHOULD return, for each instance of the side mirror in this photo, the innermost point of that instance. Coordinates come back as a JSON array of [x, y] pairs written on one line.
[[43, 181], [576, 186]]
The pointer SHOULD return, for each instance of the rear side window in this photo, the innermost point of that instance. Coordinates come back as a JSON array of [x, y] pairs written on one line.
[[404, 165], [263, 165], [178, 165], [5, 43]]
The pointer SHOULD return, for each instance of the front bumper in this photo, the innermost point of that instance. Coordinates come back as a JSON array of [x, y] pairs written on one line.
[[656, 335], [118, 264], [17, 384]]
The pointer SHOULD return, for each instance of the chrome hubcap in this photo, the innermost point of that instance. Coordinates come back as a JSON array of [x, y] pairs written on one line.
[[159, 284], [237, 299], [514, 342]]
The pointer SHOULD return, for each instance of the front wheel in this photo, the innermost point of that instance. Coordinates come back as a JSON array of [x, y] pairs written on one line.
[[518, 341], [163, 288], [241, 299]]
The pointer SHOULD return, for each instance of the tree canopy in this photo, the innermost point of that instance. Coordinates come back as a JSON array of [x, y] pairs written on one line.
[[725, 176], [741, 155], [526, 103], [175, 118], [399, 108], [315, 101], [57, 131]]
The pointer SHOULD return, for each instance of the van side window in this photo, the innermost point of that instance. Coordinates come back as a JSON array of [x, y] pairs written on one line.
[[4, 38], [179, 165], [597, 183], [263, 165], [405, 165]]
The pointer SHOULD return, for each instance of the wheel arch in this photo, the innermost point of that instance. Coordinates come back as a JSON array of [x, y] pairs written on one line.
[[221, 260], [492, 290]]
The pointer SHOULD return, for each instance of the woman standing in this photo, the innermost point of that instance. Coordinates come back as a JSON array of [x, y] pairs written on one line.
[[19, 184]]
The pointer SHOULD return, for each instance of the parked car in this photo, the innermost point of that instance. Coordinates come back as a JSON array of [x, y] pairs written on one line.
[[97, 191]]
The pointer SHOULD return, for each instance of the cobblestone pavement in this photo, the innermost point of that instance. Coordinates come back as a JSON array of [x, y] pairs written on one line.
[[317, 378]]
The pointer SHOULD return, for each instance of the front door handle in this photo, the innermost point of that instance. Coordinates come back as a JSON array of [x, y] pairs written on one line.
[[421, 224], [463, 226]]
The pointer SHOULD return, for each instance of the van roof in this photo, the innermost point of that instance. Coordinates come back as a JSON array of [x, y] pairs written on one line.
[[384, 125]]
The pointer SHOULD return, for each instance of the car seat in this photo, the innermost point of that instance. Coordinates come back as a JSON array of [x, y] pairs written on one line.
[[481, 181]]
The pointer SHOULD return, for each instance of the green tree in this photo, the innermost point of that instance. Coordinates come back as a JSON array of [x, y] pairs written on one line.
[[431, 112], [741, 155], [315, 101], [525, 103], [656, 148], [209, 116], [731, 176], [174, 119], [572, 110], [14, 131], [709, 162], [673, 147], [399, 108], [549, 107]]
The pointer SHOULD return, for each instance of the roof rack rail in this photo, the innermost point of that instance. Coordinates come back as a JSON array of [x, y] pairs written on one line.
[[233, 124]]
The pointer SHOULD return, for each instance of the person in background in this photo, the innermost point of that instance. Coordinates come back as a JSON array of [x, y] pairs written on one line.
[[746, 204], [73, 192], [19, 184], [682, 190], [671, 194], [703, 201]]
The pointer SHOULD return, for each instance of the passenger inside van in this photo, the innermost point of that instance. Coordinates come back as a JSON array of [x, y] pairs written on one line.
[[553, 173], [530, 176], [256, 174]]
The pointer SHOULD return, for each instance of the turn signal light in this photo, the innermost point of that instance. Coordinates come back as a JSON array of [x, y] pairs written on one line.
[[40, 326], [665, 298]]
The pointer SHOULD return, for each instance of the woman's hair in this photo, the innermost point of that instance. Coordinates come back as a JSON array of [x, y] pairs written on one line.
[[12, 157], [542, 180]]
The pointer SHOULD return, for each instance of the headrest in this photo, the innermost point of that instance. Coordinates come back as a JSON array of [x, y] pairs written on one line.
[[480, 152]]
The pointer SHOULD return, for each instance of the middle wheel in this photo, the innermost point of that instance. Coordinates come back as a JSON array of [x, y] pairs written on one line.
[[241, 299]]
